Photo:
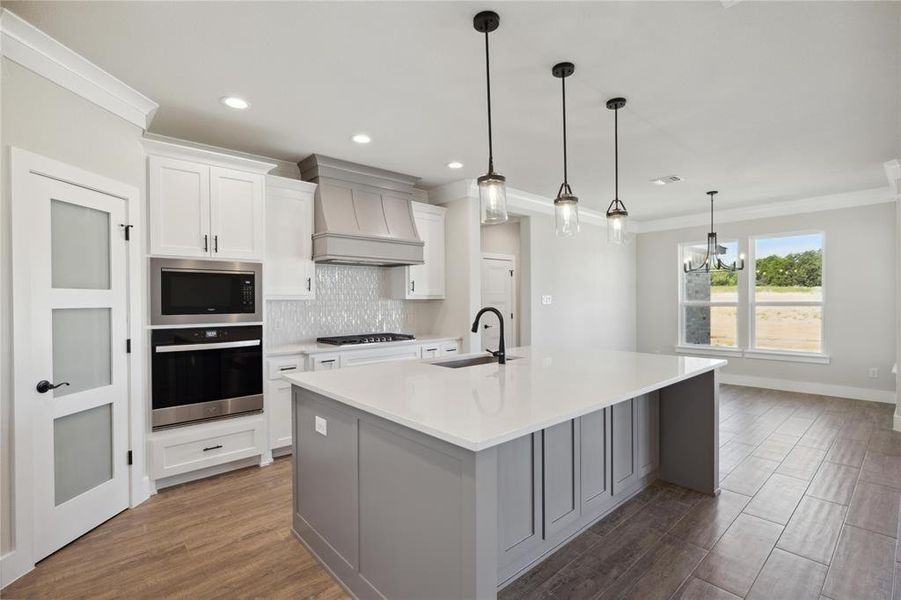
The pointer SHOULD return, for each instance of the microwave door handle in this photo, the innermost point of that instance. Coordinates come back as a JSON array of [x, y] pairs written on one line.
[[210, 346]]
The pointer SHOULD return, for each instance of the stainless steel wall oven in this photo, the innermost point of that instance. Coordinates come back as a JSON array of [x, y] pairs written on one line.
[[205, 373]]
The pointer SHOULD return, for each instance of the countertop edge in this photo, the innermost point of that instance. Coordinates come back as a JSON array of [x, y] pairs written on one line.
[[312, 347], [478, 446]]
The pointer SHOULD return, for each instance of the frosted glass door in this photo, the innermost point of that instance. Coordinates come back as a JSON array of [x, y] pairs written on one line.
[[79, 325]]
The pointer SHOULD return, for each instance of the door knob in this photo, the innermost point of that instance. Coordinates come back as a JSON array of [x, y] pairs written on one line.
[[45, 386]]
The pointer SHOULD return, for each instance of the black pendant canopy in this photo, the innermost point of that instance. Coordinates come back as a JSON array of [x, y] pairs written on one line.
[[566, 204], [492, 186], [712, 261]]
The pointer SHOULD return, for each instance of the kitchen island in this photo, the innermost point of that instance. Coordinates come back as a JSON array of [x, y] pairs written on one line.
[[418, 481]]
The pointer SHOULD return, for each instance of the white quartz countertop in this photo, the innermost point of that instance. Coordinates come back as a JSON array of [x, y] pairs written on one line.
[[485, 405], [317, 348]]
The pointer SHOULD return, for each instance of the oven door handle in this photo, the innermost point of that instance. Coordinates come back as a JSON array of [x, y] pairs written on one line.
[[210, 346]]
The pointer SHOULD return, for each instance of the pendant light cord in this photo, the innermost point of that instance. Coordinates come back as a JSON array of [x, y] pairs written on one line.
[[565, 177], [616, 155], [488, 88]]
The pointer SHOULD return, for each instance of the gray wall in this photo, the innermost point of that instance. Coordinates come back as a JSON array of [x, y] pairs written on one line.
[[591, 282], [859, 272], [41, 117]]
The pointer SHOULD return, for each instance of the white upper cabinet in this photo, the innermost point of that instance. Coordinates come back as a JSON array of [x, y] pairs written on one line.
[[179, 207], [236, 214], [425, 281], [290, 271], [204, 203]]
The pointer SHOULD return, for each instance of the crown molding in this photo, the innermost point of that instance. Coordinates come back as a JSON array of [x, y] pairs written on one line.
[[159, 145], [27, 45], [772, 209], [288, 183]]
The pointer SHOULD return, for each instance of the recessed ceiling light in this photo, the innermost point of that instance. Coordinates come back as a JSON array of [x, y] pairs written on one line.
[[667, 179], [234, 102], [361, 138], [455, 164]]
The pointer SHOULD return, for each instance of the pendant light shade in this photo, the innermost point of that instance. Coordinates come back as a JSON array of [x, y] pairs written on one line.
[[617, 215], [492, 187], [712, 261], [566, 204]]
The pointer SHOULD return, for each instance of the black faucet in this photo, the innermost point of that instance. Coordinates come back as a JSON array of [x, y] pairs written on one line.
[[501, 353]]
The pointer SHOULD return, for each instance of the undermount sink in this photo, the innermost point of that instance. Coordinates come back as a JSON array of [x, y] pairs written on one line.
[[470, 362]]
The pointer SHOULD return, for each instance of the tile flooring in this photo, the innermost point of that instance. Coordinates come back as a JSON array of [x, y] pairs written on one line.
[[811, 489], [809, 509]]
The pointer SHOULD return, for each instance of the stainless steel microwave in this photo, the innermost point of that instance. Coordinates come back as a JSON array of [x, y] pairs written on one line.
[[189, 292]]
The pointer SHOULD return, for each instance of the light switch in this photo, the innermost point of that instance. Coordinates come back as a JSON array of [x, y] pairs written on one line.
[[321, 426], [546, 299]]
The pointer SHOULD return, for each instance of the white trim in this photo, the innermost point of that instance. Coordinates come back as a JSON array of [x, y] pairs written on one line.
[[703, 350], [771, 209], [158, 145], [22, 165], [809, 387], [27, 45], [789, 356], [287, 183], [893, 174]]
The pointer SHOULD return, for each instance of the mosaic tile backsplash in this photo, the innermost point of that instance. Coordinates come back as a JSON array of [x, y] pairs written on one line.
[[349, 300]]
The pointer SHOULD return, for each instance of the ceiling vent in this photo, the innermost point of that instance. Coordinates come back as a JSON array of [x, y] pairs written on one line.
[[667, 179]]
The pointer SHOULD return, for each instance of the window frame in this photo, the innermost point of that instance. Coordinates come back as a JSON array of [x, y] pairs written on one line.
[[752, 351], [683, 303]]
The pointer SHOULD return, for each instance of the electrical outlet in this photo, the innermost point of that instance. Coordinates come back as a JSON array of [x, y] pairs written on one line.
[[546, 299], [873, 372], [321, 426]]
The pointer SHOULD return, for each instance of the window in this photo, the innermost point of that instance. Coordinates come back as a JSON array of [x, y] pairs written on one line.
[[709, 301], [786, 304]]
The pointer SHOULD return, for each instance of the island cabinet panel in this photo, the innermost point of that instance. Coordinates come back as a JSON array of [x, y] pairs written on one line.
[[409, 543], [594, 439], [519, 506], [647, 437], [561, 476], [623, 446], [326, 475]]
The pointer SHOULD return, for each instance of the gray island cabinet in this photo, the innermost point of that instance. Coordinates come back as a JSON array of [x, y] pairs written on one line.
[[414, 481]]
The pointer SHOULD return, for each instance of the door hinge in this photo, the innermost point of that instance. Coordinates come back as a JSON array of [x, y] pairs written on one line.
[[130, 460], [128, 346], [127, 229]]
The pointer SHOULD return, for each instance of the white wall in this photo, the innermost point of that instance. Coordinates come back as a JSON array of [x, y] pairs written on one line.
[[41, 117], [859, 276], [591, 282]]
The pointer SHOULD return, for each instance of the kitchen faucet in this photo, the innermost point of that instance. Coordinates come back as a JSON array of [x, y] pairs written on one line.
[[501, 353]]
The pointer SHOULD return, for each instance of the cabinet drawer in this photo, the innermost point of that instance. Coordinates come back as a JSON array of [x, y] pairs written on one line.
[[431, 350], [180, 451], [324, 362], [450, 348], [368, 357], [284, 365]]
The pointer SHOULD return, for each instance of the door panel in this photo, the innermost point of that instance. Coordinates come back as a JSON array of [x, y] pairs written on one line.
[[519, 500], [497, 291], [236, 214], [561, 476], [77, 327], [595, 467], [179, 207], [623, 446]]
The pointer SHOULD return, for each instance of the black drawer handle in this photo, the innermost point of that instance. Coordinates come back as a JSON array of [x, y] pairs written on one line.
[[291, 368], [216, 447], [431, 349], [331, 360]]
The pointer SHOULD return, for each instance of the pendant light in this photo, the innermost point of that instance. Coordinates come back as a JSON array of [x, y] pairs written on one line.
[[566, 204], [713, 262], [492, 187], [617, 215]]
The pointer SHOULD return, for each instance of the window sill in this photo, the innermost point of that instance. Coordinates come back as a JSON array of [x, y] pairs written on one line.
[[784, 356], [708, 350], [788, 356]]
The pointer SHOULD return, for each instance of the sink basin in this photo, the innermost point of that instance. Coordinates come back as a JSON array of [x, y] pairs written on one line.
[[470, 362]]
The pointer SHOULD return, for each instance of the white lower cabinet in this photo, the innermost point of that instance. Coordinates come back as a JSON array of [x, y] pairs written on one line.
[[324, 362], [278, 404], [184, 449]]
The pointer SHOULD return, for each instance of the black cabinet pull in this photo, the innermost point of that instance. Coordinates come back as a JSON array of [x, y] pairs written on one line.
[[216, 447], [215, 243], [206, 242], [413, 285], [309, 284]]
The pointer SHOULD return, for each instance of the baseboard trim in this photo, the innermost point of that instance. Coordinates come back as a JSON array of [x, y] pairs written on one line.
[[808, 387], [13, 565], [165, 482]]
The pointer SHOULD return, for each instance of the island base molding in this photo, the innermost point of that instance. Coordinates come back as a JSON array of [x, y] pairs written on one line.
[[395, 513]]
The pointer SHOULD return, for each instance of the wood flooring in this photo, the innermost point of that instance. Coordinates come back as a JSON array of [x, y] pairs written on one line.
[[809, 509]]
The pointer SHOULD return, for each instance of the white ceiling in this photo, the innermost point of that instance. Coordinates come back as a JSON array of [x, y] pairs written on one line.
[[765, 101]]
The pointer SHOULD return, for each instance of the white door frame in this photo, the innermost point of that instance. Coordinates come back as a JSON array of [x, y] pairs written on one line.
[[24, 164], [514, 337]]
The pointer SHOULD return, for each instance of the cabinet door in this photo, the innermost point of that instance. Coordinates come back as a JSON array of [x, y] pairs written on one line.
[[561, 474], [518, 498], [179, 198], [236, 214], [290, 273], [594, 441], [622, 447], [427, 280], [324, 362], [278, 405]]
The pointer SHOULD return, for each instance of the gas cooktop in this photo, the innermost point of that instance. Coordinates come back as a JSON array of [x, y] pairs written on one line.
[[369, 338]]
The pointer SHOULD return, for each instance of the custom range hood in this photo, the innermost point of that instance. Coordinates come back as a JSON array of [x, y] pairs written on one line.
[[363, 215]]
